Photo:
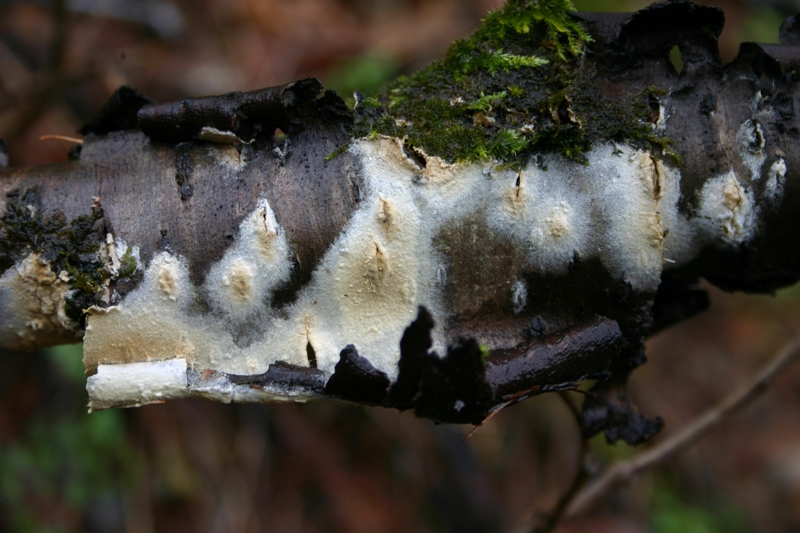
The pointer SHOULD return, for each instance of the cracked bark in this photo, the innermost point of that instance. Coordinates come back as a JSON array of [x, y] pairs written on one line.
[[479, 326]]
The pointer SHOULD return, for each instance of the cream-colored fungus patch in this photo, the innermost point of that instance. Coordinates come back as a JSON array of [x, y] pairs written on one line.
[[240, 284], [228, 155], [607, 209], [776, 177], [726, 210], [32, 298], [218, 136], [151, 322], [681, 236], [621, 208], [519, 296]]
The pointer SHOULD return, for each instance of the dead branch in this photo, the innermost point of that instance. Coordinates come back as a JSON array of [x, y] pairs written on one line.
[[507, 222], [695, 430]]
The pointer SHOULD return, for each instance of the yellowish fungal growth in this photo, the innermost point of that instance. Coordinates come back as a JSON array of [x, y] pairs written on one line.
[[558, 220], [262, 229], [149, 324], [240, 281], [34, 297], [727, 209], [167, 282], [775, 179]]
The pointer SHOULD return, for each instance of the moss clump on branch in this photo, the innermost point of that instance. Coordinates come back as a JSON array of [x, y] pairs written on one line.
[[516, 87], [70, 247]]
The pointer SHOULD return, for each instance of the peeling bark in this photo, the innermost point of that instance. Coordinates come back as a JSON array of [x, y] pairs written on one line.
[[206, 255]]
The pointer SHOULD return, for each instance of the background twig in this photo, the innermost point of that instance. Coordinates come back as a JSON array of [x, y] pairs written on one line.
[[691, 432]]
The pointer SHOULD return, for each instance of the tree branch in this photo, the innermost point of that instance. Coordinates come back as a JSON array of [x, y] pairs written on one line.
[[624, 471], [514, 218]]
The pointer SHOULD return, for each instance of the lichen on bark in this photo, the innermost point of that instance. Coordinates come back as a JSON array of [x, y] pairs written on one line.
[[69, 248]]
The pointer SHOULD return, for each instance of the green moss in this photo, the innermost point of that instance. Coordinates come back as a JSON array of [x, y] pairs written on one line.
[[507, 143], [70, 247], [516, 91], [467, 58], [548, 21], [485, 353], [515, 88], [370, 102], [485, 103], [336, 153], [128, 265]]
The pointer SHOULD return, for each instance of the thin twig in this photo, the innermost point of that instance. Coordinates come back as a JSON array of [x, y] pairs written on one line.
[[545, 523], [581, 475], [61, 138], [691, 432]]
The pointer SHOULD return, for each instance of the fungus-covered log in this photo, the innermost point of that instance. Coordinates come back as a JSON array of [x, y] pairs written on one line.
[[514, 219]]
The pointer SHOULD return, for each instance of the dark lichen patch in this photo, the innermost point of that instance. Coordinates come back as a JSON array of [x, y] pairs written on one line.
[[518, 86], [184, 167], [70, 247], [24, 230]]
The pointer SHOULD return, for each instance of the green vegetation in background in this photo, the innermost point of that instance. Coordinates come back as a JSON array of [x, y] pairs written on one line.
[[68, 457], [366, 73], [672, 512], [762, 26]]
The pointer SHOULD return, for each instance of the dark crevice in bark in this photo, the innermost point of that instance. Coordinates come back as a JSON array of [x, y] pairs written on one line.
[[284, 375]]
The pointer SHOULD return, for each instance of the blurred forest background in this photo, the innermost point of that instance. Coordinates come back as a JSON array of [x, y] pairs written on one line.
[[199, 466]]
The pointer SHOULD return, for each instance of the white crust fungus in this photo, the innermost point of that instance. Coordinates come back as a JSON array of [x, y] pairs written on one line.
[[519, 296], [726, 210], [116, 385], [621, 208], [240, 284], [776, 177]]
